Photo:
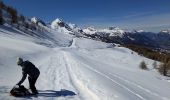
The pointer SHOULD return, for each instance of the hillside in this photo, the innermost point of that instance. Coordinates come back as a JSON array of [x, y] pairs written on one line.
[[86, 70], [75, 65]]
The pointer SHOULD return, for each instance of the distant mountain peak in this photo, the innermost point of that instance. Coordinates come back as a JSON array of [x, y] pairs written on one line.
[[64, 27], [90, 30], [72, 26], [34, 19], [165, 31], [137, 31], [140, 31], [37, 21], [114, 31], [114, 28], [57, 23], [58, 20]]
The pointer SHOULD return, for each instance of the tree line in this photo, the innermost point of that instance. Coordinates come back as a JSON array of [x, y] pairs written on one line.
[[10, 10], [163, 57], [10, 15]]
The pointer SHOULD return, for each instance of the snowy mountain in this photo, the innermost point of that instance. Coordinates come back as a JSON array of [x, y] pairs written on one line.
[[90, 30], [79, 71], [140, 31], [37, 21], [137, 37], [165, 31], [76, 68], [64, 27], [112, 31], [34, 29], [35, 25], [58, 23]]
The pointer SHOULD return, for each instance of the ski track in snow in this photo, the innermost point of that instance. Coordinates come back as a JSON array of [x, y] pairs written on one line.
[[63, 77], [116, 79], [138, 86], [115, 82], [83, 90], [118, 82], [56, 77]]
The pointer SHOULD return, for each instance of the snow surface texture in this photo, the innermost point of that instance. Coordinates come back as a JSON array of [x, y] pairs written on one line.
[[84, 70]]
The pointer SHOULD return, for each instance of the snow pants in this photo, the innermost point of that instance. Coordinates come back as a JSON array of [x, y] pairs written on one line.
[[32, 82]]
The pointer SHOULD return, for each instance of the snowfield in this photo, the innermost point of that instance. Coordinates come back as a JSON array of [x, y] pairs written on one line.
[[83, 70]]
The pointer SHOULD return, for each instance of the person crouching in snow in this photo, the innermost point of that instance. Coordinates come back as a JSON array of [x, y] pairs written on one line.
[[33, 73]]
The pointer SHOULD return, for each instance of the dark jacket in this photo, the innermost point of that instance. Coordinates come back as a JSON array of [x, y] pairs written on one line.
[[30, 69]]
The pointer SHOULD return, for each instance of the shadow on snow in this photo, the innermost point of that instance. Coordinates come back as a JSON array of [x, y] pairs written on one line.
[[4, 91], [52, 93]]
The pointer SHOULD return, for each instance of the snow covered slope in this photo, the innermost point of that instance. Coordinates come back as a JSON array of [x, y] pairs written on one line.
[[113, 73], [84, 70], [46, 36]]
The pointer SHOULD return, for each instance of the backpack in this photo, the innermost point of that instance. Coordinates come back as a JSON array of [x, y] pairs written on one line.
[[20, 91]]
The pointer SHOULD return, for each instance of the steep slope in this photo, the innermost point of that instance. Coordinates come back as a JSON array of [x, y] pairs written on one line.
[[38, 28], [46, 36], [77, 68], [13, 45], [87, 70], [15, 24]]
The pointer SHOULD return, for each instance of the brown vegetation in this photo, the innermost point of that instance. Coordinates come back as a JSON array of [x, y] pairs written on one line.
[[143, 66], [163, 57], [13, 13]]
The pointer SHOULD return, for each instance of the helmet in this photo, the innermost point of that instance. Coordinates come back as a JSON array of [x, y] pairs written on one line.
[[19, 61]]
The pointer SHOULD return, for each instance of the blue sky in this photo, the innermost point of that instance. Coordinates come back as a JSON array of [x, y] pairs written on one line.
[[151, 15]]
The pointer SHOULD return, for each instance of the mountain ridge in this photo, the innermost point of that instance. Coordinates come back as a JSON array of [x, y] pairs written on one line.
[[33, 26]]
